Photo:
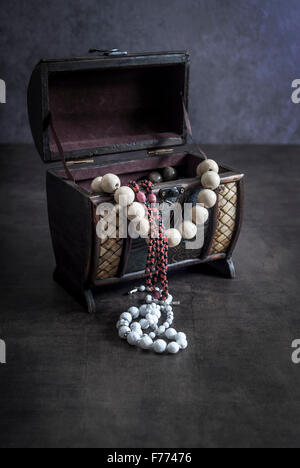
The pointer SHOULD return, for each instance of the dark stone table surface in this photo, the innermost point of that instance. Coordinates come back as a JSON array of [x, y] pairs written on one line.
[[70, 381]]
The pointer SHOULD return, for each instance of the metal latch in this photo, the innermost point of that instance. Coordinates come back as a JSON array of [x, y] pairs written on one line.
[[108, 53], [171, 195], [160, 151], [80, 161]]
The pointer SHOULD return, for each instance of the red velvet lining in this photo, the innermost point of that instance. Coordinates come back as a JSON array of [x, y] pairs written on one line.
[[116, 106]]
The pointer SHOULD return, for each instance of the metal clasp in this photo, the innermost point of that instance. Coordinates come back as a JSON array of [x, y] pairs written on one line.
[[170, 195], [109, 52], [160, 151], [80, 161]]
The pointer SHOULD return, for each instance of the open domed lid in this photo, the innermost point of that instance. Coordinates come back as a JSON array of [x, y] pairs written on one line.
[[104, 104]]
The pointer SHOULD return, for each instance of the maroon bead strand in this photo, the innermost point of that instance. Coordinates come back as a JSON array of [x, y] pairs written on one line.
[[157, 259], [161, 244]]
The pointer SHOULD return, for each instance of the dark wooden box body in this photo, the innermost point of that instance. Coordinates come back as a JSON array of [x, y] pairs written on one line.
[[140, 99]]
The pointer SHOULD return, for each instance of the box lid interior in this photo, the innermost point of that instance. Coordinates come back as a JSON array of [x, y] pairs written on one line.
[[104, 105]]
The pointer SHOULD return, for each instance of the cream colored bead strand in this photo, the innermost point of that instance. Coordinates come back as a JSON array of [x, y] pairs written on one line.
[[208, 171]]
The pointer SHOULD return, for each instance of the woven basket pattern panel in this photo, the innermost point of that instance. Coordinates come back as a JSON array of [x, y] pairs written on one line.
[[109, 258], [227, 211]]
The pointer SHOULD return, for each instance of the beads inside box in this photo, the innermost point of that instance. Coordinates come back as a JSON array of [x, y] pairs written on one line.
[[137, 169]]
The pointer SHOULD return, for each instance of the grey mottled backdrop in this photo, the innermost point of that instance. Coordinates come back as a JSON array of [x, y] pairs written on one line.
[[244, 53]]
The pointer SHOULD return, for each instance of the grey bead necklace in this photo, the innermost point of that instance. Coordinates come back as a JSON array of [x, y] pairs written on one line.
[[140, 325]]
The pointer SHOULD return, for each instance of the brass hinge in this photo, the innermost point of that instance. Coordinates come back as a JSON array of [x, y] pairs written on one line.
[[80, 161], [160, 151]]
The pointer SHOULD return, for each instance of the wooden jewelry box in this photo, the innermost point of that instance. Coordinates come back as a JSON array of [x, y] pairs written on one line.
[[113, 112]]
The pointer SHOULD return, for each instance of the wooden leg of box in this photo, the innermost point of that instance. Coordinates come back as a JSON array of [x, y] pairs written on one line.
[[225, 267], [83, 296], [90, 301]]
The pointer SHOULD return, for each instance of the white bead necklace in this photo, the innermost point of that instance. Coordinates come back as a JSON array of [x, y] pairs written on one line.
[[146, 333]]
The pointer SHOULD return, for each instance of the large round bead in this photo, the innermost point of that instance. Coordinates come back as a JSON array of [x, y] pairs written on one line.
[[136, 327], [207, 197], [188, 230], [136, 211], [183, 344], [134, 311], [174, 237], [173, 347], [144, 324], [110, 183], [126, 316], [149, 299], [142, 226], [146, 342], [96, 185], [124, 322], [207, 165], [123, 331], [157, 313], [155, 177], [169, 173], [170, 333], [155, 319], [159, 346], [144, 309], [210, 180], [180, 336], [199, 214], [124, 196], [150, 320], [133, 338]]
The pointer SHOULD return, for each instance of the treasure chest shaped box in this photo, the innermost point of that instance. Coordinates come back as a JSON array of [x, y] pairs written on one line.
[[121, 113]]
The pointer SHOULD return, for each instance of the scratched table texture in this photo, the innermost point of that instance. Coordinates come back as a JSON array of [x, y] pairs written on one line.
[[70, 381]]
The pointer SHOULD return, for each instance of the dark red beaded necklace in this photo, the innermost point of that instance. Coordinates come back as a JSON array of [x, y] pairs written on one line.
[[157, 260]]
